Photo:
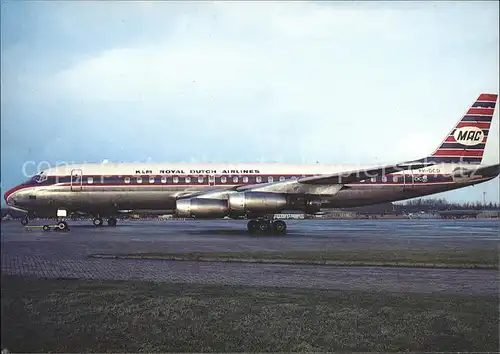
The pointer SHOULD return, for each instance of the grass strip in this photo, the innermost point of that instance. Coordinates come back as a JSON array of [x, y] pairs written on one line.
[[449, 258], [63, 315]]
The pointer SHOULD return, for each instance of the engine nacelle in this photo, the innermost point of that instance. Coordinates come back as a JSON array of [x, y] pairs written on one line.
[[256, 202], [201, 208]]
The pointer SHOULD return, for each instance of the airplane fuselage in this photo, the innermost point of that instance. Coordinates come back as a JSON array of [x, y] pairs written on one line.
[[108, 189]]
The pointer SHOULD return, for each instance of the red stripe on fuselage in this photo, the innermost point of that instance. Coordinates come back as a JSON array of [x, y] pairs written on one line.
[[15, 189], [367, 182]]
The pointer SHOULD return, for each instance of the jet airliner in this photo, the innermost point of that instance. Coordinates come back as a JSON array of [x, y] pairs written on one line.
[[256, 191]]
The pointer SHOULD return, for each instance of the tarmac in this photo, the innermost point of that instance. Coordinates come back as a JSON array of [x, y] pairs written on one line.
[[66, 254]]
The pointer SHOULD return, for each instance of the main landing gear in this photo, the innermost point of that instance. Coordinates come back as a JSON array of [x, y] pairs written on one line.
[[99, 222], [266, 226]]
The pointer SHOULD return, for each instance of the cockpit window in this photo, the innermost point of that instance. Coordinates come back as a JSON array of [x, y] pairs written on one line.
[[39, 177]]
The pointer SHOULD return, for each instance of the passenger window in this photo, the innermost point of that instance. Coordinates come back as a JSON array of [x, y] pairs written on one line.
[[384, 179], [139, 179], [188, 179], [395, 179], [176, 180], [258, 179], [245, 179], [126, 179], [373, 179], [200, 179], [90, 180], [223, 179], [151, 180], [270, 179], [282, 179], [235, 179], [164, 179]]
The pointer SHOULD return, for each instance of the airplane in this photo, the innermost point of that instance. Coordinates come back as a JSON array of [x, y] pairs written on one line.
[[255, 191]]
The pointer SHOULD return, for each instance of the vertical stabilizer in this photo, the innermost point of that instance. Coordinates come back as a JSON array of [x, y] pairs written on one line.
[[466, 141]]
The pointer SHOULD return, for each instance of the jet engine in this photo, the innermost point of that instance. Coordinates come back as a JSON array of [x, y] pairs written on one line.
[[256, 202], [201, 208], [244, 204]]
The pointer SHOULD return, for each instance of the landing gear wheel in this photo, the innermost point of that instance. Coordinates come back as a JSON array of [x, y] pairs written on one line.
[[24, 221], [97, 222], [62, 226], [279, 226], [46, 227], [263, 225], [252, 226], [112, 222]]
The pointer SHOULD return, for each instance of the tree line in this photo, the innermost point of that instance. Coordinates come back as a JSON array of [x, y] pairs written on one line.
[[440, 204]]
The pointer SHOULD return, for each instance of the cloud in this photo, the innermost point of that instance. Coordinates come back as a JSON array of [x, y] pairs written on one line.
[[247, 51], [309, 70]]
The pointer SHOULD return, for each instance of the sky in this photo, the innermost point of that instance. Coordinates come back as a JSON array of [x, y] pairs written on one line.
[[291, 82]]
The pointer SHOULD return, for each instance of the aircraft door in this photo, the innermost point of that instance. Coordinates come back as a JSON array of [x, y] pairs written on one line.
[[76, 180], [211, 180], [408, 180]]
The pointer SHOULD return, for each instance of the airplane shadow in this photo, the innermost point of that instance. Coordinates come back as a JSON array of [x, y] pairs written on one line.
[[186, 231], [234, 232], [178, 230]]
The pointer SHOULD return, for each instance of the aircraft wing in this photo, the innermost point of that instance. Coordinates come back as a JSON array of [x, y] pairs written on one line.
[[362, 174], [320, 185], [332, 183]]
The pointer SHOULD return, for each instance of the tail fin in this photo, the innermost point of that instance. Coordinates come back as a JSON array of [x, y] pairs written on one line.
[[466, 141]]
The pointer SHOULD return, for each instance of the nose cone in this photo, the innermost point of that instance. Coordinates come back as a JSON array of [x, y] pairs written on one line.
[[8, 195]]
